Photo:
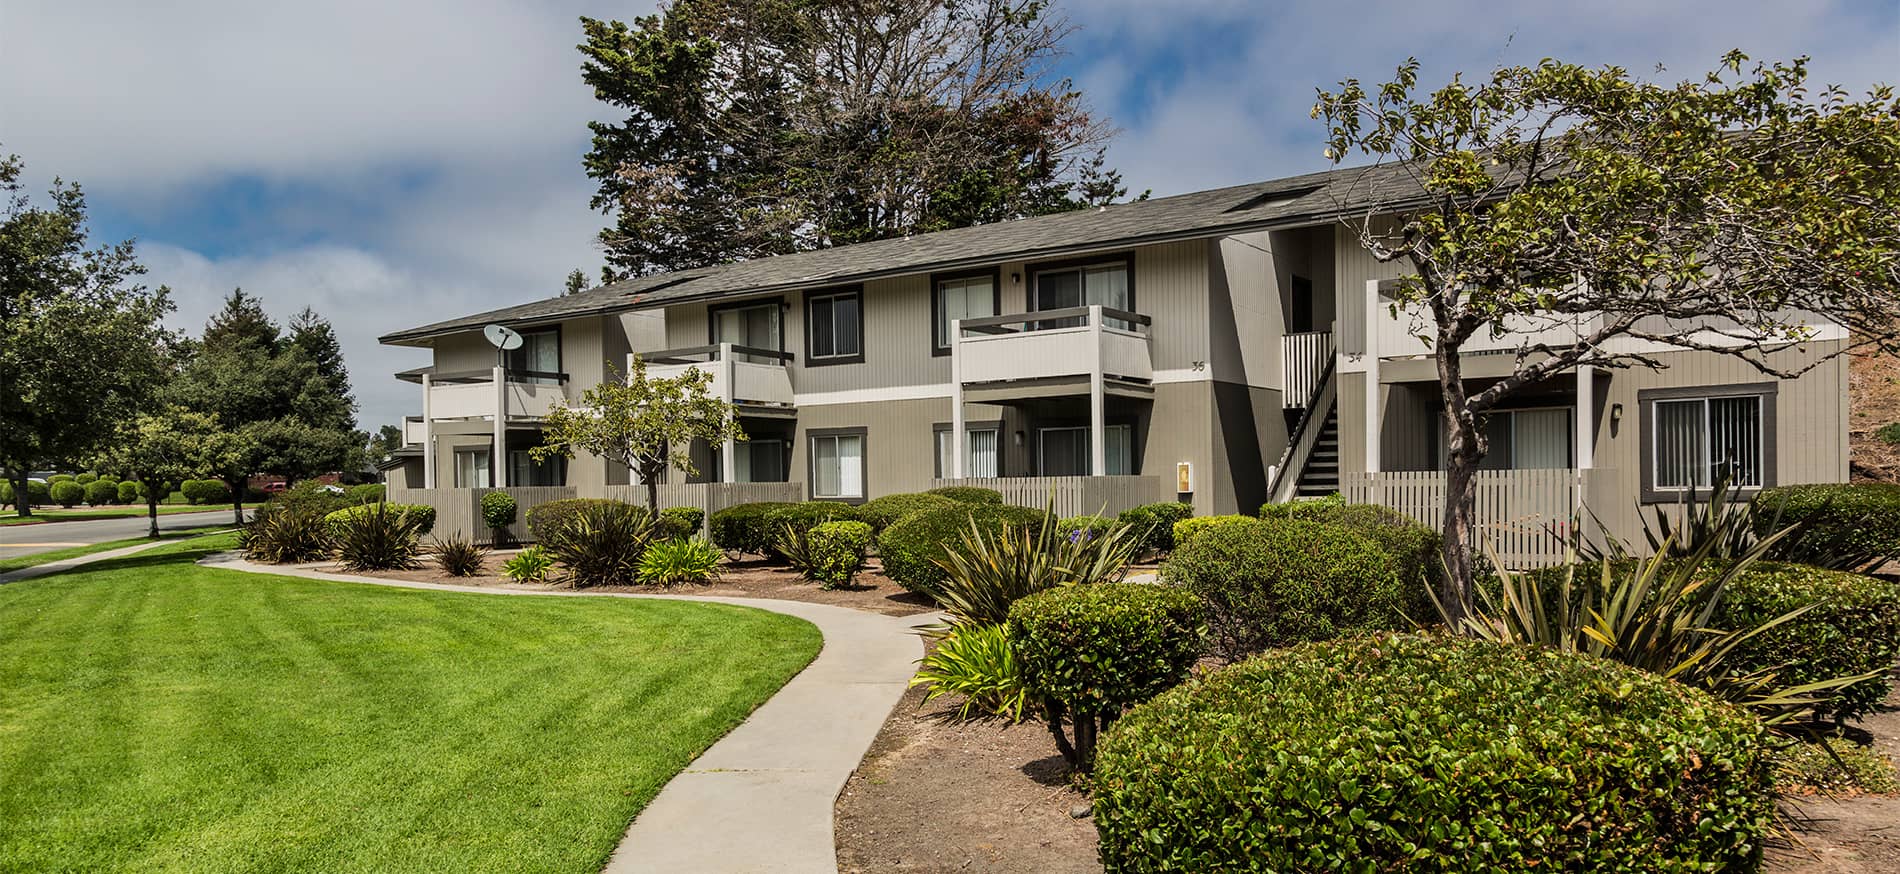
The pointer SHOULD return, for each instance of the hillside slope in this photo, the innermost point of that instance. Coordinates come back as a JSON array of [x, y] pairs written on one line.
[[1874, 393]]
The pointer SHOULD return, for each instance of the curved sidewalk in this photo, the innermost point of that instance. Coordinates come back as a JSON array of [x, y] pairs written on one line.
[[761, 798]]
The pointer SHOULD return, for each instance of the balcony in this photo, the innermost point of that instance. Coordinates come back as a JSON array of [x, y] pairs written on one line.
[[1053, 345], [524, 394], [743, 375]]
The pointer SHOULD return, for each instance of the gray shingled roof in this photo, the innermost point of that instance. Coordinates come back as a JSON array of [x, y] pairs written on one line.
[[1297, 200]]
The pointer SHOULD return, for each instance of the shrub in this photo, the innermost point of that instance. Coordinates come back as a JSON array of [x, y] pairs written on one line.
[[546, 519], [86, 479], [681, 522], [913, 547], [1412, 548], [836, 552], [681, 560], [1304, 508], [499, 510], [287, 537], [67, 493], [882, 512], [38, 493], [304, 497], [1155, 522], [1889, 433], [101, 491], [458, 556], [1841, 519], [59, 478], [1835, 767], [808, 514], [206, 491], [367, 493], [601, 544], [978, 663], [1090, 651], [530, 565], [986, 571], [968, 494], [379, 536], [741, 528], [1390, 753], [1186, 529], [1091, 527], [1271, 583], [128, 492], [6, 493], [423, 515], [1852, 628]]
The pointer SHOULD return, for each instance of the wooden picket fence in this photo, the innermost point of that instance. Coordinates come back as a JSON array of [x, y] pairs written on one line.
[[710, 497], [1072, 495], [1524, 516]]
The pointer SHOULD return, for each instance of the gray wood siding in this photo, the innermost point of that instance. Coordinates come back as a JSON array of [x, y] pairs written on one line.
[[1244, 339], [1353, 267]]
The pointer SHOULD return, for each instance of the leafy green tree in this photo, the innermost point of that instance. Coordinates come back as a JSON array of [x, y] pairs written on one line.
[[759, 127], [81, 344], [1722, 214], [646, 423], [576, 283], [171, 445], [387, 439]]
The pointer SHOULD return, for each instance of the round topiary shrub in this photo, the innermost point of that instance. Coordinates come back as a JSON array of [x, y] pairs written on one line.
[[128, 492], [1270, 583], [1412, 548], [1092, 650], [1843, 519], [59, 478], [1156, 521], [1853, 629], [499, 510], [1419, 753], [545, 520], [835, 552], [911, 547], [86, 479], [421, 515], [100, 492], [968, 494], [6, 493], [67, 493], [741, 528], [880, 513], [205, 491], [38, 493], [1186, 529]]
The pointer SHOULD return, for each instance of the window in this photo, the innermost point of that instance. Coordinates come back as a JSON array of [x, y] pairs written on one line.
[[1104, 283], [523, 470], [1530, 439], [539, 354], [759, 461], [471, 469], [971, 296], [754, 324], [837, 464], [1065, 451], [834, 334], [1697, 442], [984, 444]]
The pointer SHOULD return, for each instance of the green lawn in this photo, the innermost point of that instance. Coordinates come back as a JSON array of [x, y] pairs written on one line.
[[77, 514], [159, 715], [25, 561]]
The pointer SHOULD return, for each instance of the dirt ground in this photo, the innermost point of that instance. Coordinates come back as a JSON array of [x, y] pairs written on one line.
[[1854, 835], [874, 592], [1874, 401]]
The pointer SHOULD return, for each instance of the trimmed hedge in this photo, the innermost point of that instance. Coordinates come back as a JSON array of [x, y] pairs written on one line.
[[499, 509], [86, 479], [205, 491], [1843, 518], [128, 491], [545, 520], [808, 514], [367, 493], [101, 491], [880, 513], [968, 494], [60, 478], [741, 528], [1186, 529], [836, 551], [1413, 548], [1100, 648], [1387, 753], [1271, 583], [38, 492], [422, 515], [67, 493], [1855, 630], [1095, 526], [1302, 509], [1158, 521], [676, 522], [911, 547]]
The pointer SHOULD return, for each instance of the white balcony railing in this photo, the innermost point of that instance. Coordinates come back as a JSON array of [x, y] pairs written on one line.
[[473, 396], [1303, 360], [414, 431], [1053, 343], [738, 376]]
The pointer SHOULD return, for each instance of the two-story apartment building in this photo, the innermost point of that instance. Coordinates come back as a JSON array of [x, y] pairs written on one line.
[[1216, 346]]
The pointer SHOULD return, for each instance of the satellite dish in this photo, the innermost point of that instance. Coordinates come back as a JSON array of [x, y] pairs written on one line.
[[502, 338]]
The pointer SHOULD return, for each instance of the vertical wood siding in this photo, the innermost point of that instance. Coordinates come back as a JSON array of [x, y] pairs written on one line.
[[709, 497]]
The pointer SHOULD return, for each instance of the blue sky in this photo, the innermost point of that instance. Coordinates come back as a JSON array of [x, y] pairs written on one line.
[[393, 164]]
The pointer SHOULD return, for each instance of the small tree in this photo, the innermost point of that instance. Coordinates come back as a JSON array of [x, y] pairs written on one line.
[[646, 423], [1725, 215], [169, 446]]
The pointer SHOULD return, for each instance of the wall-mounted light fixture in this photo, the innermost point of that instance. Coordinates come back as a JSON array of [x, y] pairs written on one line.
[[1016, 278], [1616, 413]]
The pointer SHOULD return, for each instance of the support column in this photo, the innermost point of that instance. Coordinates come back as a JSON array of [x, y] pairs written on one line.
[[428, 435], [728, 453], [1098, 402], [1586, 430], [1374, 411], [497, 467], [957, 424]]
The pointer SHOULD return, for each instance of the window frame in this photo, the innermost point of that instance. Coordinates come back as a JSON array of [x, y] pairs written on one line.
[[1647, 421], [936, 461], [1134, 444], [560, 353], [713, 311], [1033, 272], [995, 275], [455, 472], [855, 292], [864, 463]]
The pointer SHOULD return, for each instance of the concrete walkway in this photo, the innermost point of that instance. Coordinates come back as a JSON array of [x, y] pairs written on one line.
[[760, 799], [64, 564]]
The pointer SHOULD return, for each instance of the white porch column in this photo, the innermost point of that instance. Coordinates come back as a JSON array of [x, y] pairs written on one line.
[[1373, 424], [626, 376], [428, 435], [957, 424], [728, 453], [1586, 418], [1098, 403], [497, 469]]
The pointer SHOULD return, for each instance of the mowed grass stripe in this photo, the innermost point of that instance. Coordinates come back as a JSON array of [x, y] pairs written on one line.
[[159, 715]]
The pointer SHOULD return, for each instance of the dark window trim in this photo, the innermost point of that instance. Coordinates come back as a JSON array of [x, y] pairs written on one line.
[[864, 459], [1645, 420], [712, 329], [560, 348], [856, 291], [470, 449], [1031, 270], [936, 464], [936, 293], [1135, 436]]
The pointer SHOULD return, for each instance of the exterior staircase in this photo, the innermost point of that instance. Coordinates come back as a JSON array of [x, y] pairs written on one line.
[[1320, 477]]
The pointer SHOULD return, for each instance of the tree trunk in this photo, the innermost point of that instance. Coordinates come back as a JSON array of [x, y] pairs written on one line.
[[22, 502], [151, 507], [237, 499], [1465, 445], [1053, 711]]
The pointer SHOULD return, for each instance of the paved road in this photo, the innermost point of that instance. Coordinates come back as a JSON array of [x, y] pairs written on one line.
[[17, 540]]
